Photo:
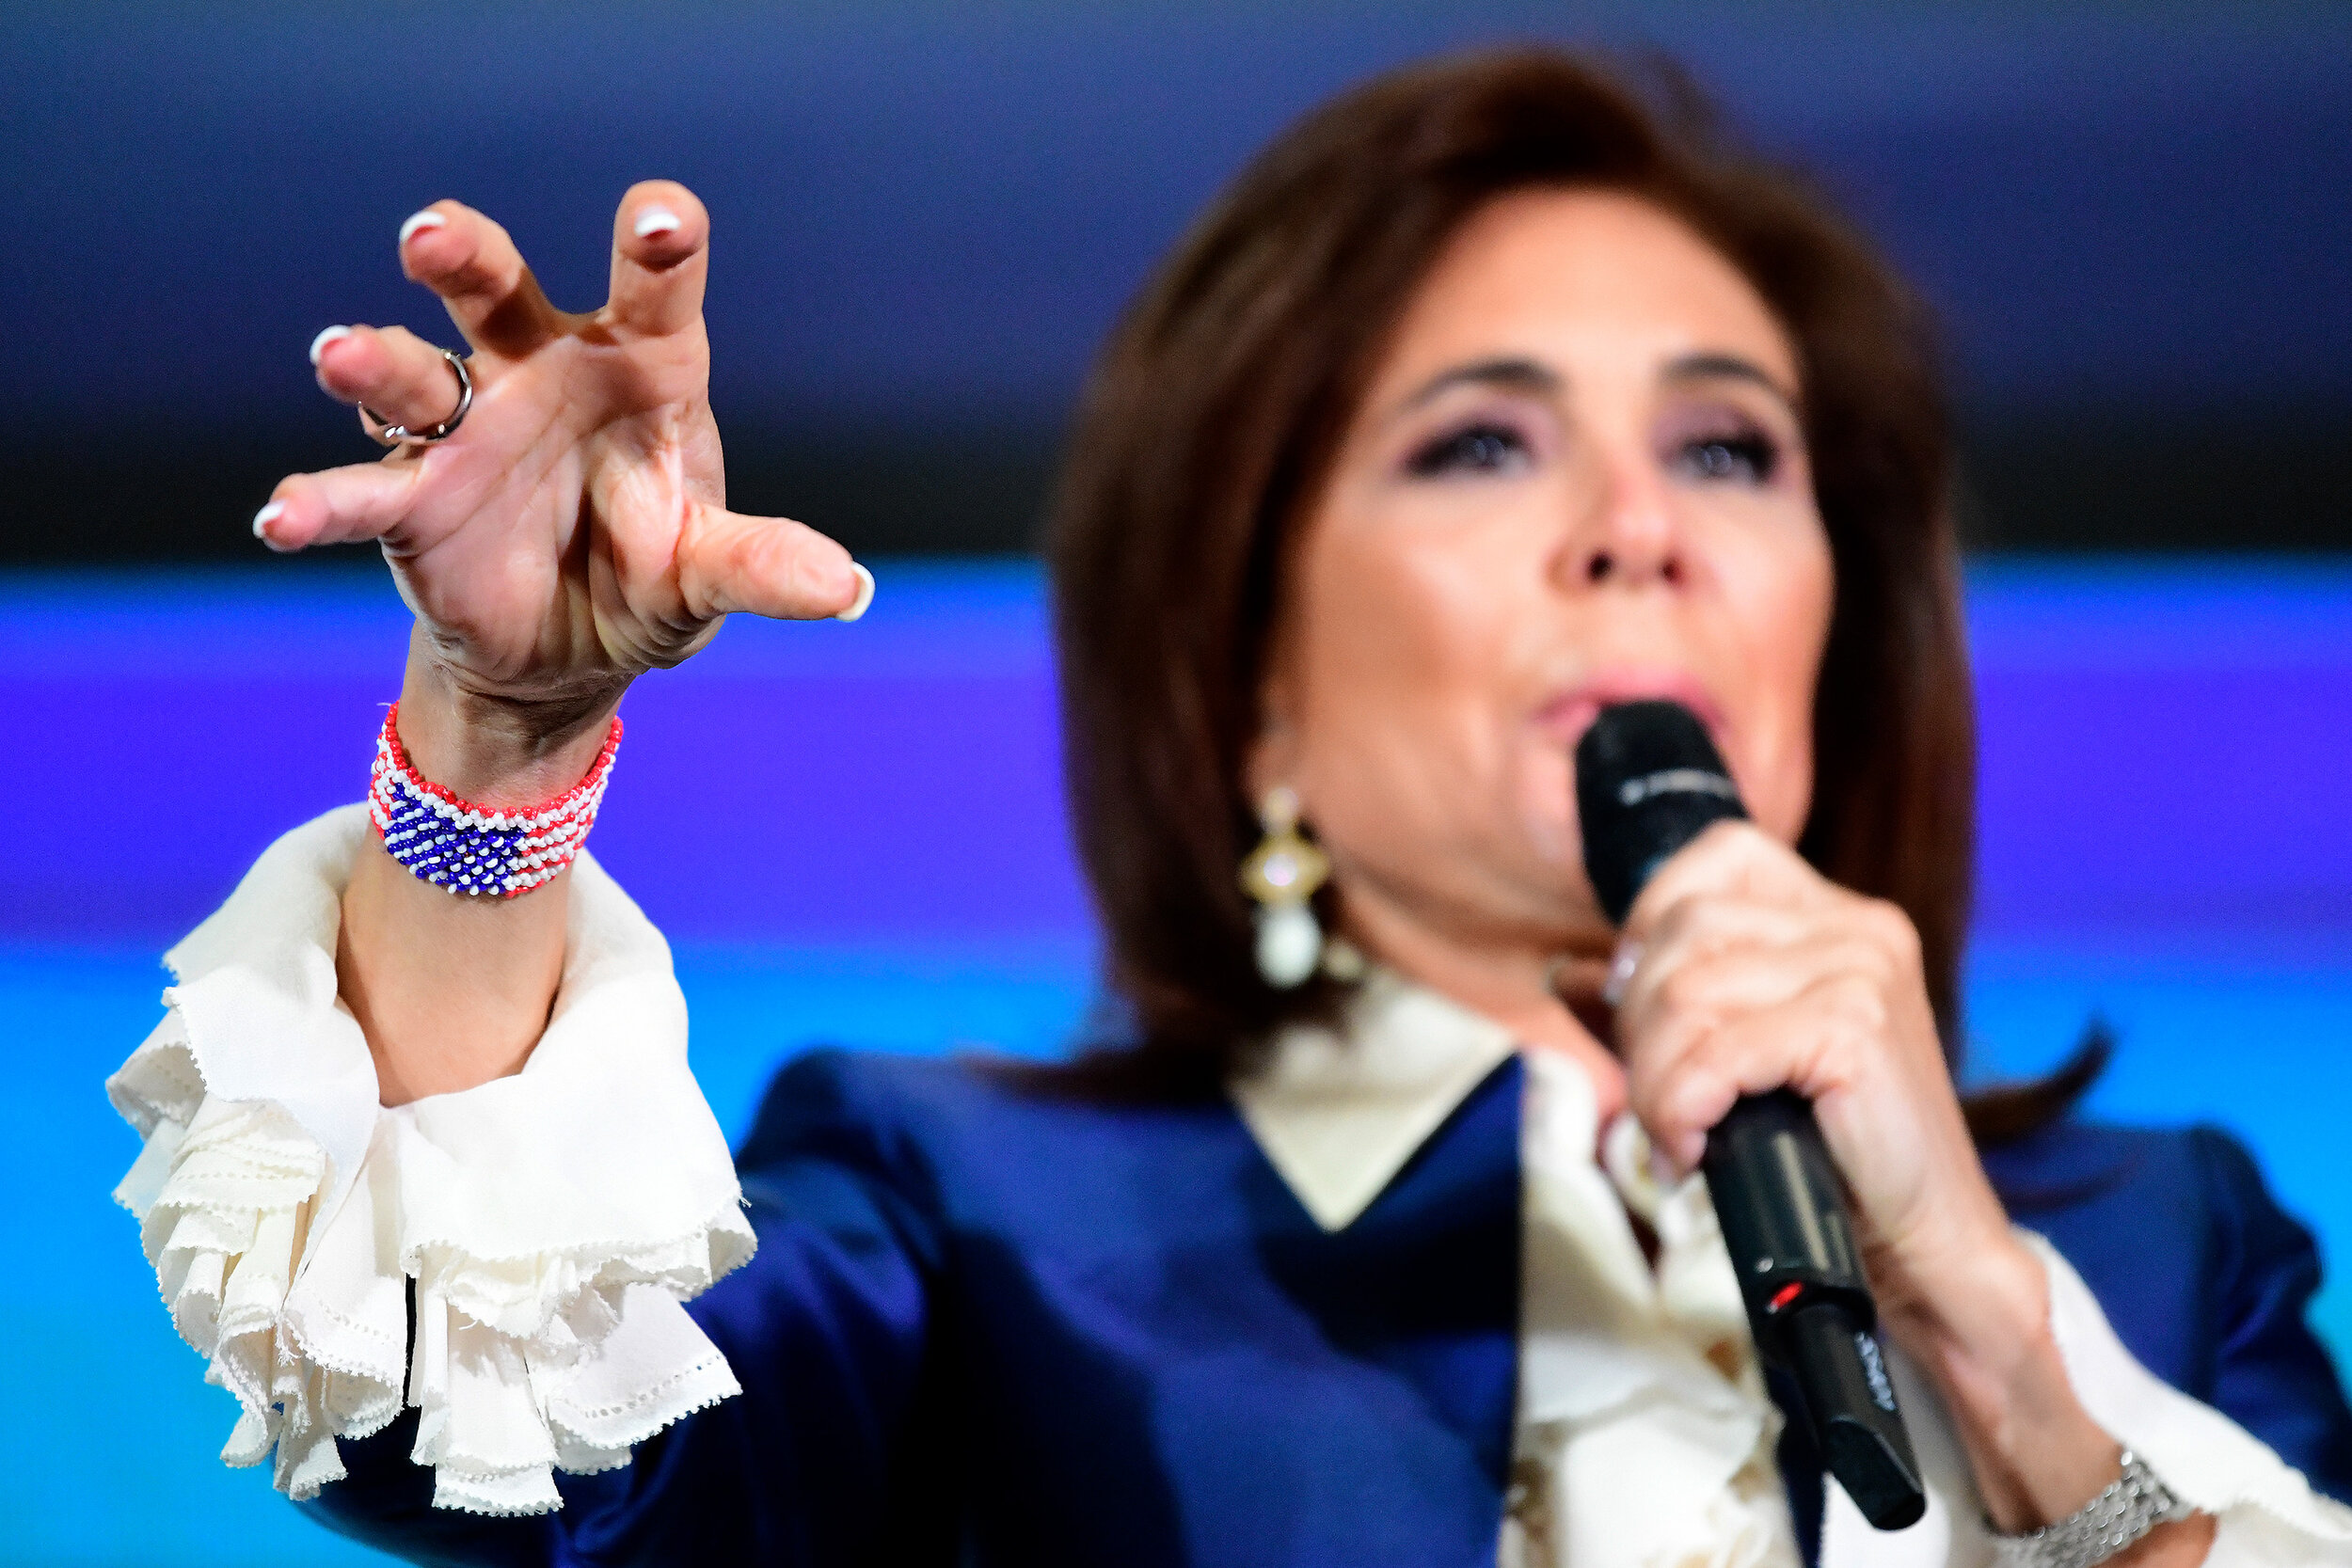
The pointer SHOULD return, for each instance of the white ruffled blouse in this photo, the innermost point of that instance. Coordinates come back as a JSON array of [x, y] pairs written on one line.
[[551, 1224]]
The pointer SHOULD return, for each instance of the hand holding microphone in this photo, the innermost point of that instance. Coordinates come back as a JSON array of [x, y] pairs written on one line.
[[1764, 994]]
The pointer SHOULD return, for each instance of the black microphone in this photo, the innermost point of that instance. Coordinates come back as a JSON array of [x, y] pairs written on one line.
[[1647, 781]]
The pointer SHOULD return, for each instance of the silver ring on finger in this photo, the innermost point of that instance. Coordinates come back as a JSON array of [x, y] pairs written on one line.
[[401, 436], [1621, 967]]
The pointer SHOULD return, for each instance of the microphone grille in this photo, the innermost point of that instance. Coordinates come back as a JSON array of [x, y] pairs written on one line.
[[1648, 780]]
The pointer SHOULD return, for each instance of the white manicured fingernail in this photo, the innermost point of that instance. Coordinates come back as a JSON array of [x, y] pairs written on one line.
[[657, 220], [267, 515], [865, 593], [318, 345], [419, 222]]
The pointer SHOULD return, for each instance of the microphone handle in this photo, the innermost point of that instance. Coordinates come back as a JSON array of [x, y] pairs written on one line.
[[1784, 1220]]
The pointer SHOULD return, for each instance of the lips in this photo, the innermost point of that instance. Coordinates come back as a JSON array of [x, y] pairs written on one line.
[[1566, 717]]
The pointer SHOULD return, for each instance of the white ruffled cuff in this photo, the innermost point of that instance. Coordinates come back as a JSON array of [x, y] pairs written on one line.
[[2267, 1511], [553, 1223]]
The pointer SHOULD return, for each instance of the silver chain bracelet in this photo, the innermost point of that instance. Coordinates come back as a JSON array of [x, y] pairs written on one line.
[[2136, 1504]]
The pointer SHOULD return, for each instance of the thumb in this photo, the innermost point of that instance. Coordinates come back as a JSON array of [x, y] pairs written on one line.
[[771, 566]]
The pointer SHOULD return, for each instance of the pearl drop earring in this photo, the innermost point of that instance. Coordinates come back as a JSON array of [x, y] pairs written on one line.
[[1281, 875]]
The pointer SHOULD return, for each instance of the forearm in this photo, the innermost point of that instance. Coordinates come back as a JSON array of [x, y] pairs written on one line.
[[2035, 1454], [453, 989]]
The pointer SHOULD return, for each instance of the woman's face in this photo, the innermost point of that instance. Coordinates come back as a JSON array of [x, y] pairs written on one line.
[[1578, 478]]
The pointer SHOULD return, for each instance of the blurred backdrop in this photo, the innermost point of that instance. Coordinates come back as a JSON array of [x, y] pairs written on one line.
[[2133, 219]]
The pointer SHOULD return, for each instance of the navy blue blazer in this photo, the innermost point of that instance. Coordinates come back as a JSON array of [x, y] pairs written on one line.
[[993, 1322]]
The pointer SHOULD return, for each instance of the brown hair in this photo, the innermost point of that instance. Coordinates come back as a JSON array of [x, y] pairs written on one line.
[[1212, 415]]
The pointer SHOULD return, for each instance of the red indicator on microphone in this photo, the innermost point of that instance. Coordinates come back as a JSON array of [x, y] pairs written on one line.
[[1783, 1296]]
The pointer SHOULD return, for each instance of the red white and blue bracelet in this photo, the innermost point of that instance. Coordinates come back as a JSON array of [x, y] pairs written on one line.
[[463, 848]]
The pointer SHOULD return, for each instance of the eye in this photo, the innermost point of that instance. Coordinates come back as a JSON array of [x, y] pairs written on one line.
[[1746, 457], [1478, 449]]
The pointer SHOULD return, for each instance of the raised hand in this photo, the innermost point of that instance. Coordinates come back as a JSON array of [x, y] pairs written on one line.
[[571, 533], [574, 531]]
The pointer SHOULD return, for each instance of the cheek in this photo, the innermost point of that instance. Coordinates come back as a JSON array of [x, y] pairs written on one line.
[[1407, 640], [1393, 637], [1782, 594]]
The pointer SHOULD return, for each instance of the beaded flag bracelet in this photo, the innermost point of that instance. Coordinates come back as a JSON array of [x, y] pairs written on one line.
[[463, 848]]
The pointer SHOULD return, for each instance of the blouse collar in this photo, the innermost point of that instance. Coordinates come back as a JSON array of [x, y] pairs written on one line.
[[1340, 1110]]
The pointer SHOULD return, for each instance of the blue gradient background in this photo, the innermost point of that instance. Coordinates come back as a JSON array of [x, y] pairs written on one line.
[[929, 215], [853, 834]]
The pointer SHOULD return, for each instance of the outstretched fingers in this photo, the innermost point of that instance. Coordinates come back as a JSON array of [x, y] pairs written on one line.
[[473, 265], [337, 506], [660, 259], [770, 567]]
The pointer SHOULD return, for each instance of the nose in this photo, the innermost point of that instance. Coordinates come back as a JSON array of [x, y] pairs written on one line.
[[1624, 533]]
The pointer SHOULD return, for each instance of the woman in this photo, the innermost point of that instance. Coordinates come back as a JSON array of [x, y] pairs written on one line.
[[1483, 401]]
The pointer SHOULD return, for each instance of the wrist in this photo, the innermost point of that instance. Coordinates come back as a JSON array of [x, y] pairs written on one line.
[[1976, 1310], [498, 750], [2136, 1520], [1984, 1339]]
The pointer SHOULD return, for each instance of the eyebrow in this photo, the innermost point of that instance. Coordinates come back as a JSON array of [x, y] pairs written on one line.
[[1517, 373], [1510, 373], [1710, 366]]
